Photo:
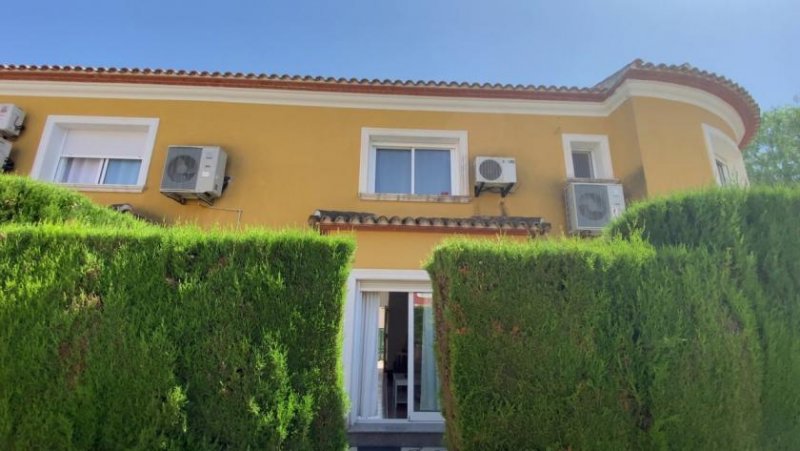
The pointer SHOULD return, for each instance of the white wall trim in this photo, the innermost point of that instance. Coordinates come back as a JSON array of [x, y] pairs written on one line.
[[50, 147], [630, 88], [684, 94]]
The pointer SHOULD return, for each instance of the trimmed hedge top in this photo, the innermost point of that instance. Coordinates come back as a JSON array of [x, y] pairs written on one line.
[[712, 218], [27, 201]]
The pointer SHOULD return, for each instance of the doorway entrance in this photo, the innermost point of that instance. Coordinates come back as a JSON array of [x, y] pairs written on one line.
[[398, 376]]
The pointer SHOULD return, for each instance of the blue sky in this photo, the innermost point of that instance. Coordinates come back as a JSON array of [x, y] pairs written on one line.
[[567, 42]]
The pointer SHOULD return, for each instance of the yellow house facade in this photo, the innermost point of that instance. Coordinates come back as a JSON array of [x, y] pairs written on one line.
[[393, 163]]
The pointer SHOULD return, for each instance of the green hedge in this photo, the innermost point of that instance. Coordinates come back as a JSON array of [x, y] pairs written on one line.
[[594, 345], [759, 227], [167, 338], [27, 201]]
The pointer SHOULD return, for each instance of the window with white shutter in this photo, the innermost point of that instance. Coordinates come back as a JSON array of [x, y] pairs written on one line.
[[96, 153]]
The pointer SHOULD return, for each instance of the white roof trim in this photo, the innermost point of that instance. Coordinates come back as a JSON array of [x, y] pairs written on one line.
[[630, 88], [679, 93]]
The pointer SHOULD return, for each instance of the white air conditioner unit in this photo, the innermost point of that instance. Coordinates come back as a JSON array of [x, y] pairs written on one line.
[[591, 206], [498, 173], [194, 172], [11, 118], [5, 152]]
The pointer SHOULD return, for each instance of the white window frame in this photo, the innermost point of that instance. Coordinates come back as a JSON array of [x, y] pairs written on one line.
[[723, 171], [600, 157], [730, 156], [384, 280], [454, 140], [50, 147]]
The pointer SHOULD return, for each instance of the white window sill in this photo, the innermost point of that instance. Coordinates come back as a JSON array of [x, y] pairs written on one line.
[[591, 180], [104, 188], [397, 426], [415, 198]]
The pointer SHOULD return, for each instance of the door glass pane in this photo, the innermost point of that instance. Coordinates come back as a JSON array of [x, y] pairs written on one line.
[[122, 172], [383, 364], [79, 170], [722, 170], [393, 171], [370, 402], [426, 383], [432, 171], [582, 165]]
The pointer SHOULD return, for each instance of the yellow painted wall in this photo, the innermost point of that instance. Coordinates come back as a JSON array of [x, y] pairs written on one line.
[[672, 144], [626, 158], [403, 250], [288, 161]]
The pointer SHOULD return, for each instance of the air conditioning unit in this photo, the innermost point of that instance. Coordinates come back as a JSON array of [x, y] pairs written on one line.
[[194, 172], [11, 118], [498, 173], [5, 151], [591, 206]]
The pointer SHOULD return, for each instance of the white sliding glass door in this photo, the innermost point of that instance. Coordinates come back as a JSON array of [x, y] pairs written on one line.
[[394, 361], [423, 377]]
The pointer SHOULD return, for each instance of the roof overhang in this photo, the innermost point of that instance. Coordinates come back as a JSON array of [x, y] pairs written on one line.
[[679, 83], [327, 221]]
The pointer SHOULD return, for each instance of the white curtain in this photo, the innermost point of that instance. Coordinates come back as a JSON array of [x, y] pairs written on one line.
[[429, 385], [369, 402], [79, 170]]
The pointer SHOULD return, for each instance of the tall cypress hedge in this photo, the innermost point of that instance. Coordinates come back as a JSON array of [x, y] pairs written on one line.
[[680, 329], [569, 345], [760, 229], [150, 338]]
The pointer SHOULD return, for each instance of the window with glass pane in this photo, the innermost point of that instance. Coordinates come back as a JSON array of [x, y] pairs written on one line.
[[432, 171], [722, 170], [122, 172], [412, 171], [79, 170], [393, 171], [98, 171], [582, 165]]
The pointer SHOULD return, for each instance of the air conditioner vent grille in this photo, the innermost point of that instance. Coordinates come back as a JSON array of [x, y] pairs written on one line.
[[591, 206], [490, 169], [182, 167], [591, 202]]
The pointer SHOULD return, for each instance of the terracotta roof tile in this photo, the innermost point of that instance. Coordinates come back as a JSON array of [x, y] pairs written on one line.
[[326, 220], [684, 74]]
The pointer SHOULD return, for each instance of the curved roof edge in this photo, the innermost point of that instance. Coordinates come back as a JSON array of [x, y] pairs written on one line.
[[730, 92]]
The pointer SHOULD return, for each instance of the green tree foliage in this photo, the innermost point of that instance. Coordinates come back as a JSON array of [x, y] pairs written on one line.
[[774, 155]]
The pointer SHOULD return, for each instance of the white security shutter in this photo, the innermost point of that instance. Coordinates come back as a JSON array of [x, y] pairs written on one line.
[[105, 143]]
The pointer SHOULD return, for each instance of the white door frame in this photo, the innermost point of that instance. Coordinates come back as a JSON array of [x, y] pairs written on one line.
[[402, 280]]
